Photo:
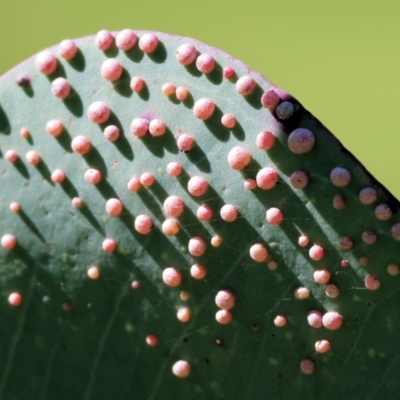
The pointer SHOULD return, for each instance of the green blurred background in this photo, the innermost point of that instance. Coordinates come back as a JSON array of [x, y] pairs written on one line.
[[340, 59]]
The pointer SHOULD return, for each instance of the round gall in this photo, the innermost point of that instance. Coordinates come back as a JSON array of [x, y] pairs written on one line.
[[93, 272], [11, 156], [111, 69], [151, 340], [316, 252], [92, 176], [174, 169], [369, 237], [238, 158], [228, 72], [250, 184], [148, 43], [299, 179], [104, 39], [146, 179], [301, 293], [270, 99], [77, 202], [345, 243], [395, 230], [223, 317], [109, 245], [301, 141], [258, 252], [372, 282], [14, 299], [197, 186], [181, 369], [322, 346], [181, 93], [57, 176], [114, 207], [322, 276], [157, 127], [307, 366], [196, 246], [32, 157], [280, 321], [183, 314], [46, 62], [332, 291], [67, 49], [60, 88], [24, 132], [125, 39], [111, 133], [198, 271], [15, 207], [383, 212], [274, 216], [139, 127], [228, 120], [170, 227], [393, 269], [168, 88], [314, 319], [186, 54], [340, 177], [143, 224], [339, 202], [266, 178], [303, 240], [137, 84], [332, 320], [173, 206], [185, 142], [284, 110], [265, 140], [203, 108], [80, 144], [54, 127], [8, 241], [171, 277], [225, 299], [98, 112], [134, 184], [367, 195], [204, 213], [229, 213], [245, 85], [216, 241], [205, 63], [272, 265], [135, 284]]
